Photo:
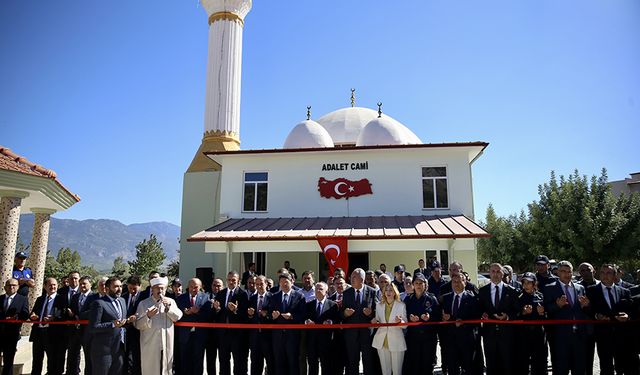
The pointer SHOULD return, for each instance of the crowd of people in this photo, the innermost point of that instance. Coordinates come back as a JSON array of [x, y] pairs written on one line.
[[132, 331]]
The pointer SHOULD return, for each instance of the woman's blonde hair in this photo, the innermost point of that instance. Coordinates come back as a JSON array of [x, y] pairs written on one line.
[[396, 294]]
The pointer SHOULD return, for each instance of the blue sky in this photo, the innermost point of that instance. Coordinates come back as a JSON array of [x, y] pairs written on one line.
[[110, 94]]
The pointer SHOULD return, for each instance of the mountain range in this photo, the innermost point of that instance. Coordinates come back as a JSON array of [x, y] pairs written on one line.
[[100, 241]]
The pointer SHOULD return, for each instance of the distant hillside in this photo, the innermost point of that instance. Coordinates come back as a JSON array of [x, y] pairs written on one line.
[[100, 241]]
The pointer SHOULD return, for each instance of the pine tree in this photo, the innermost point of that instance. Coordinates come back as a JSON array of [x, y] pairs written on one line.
[[149, 257]]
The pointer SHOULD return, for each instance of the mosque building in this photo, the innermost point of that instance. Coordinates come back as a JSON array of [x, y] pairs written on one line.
[[354, 184]]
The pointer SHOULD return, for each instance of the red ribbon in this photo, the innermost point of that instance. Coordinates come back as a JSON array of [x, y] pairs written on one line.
[[343, 326]]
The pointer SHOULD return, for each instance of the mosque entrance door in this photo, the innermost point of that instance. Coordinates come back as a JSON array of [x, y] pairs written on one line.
[[356, 260]]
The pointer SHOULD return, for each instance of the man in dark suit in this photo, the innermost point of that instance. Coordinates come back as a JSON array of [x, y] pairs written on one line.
[[338, 348], [230, 306], [13, 306], [422, 268], [191, 340], [107, 317], [610, 302], [260, 339], [76, 332], [358, 306], [456, 268], [251, 271], [84, 315], [45, 337], [320, 311], [460, 339], [286, 307], [498, 301], [66, 293], [132, 364], [211, 351], [566, 300]]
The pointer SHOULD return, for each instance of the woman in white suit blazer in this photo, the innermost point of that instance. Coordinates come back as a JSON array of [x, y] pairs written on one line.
[[390, 340]]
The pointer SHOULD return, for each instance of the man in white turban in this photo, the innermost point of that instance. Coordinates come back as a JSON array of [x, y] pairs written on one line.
[[155, 317]]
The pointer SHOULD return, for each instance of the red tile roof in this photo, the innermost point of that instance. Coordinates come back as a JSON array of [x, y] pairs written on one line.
[[10, 161], [361, 227]]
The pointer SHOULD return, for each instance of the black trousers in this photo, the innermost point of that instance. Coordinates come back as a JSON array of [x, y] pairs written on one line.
[[261, 351], [286, 351], [358, 341], [191, 347], [570, 350], [8, 346], [498, 342], [47, 342], [233, 342], [338, 351], [211, 350], [75, 336], [132, 362], [421, 351], [318, 342], [532, 350]]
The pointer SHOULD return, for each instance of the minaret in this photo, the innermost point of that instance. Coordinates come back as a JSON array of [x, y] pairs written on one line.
[[224, 69], [201, 185]]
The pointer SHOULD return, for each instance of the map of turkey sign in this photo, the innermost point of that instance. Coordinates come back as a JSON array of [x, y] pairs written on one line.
[[343, 188]]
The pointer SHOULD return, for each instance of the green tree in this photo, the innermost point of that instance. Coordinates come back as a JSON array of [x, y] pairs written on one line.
[[120, 268], [66, 261], [149, 257], [575, 218], [173, 268], [51, 266]]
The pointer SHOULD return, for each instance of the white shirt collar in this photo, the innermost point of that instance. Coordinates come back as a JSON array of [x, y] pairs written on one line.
[[499, 285]]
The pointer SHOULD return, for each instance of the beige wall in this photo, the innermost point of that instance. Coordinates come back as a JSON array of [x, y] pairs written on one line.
[[299, 261], [393, 258]]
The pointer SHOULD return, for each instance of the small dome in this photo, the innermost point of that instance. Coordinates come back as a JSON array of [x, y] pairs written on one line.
[[344, 125], [386, 131], [308, 134]]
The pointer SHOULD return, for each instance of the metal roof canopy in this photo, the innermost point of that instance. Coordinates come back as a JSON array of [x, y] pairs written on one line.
[[354, 228]]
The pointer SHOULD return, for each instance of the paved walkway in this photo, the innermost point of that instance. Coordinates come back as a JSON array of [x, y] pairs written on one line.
[[24, 357]]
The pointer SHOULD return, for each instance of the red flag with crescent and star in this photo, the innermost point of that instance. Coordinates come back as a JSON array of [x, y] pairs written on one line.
[[343, 188], [335, 252]]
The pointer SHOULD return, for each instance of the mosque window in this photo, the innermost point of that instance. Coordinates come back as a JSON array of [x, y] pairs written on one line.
[[255, 191], [434, 187]]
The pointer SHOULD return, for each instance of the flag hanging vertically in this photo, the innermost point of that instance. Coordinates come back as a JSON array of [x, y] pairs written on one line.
[[335, 252]]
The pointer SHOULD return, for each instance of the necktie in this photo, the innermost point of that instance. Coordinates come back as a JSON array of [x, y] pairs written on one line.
[[193, 301], [81, 301], [568, 294], [319, 310], [358, 300], [285, 302], [118, 309], [7, 302], [456, 305], [611, 299], [45, 311], [497, 297], [259, 303], [339, 297]]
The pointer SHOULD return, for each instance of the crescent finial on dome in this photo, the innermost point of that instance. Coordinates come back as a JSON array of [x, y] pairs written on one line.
[[379, 109], [353, 97], [308, 112]]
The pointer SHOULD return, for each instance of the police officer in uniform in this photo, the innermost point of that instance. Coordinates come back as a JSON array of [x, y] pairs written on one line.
[[422, 341], [23, 274], [532, 353]]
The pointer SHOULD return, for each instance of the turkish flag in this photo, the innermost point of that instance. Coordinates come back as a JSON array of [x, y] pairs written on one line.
[[343, 188], [335, 252]]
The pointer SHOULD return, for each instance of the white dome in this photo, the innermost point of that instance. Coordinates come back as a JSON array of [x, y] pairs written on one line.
[[344, 125], [386, 131], [308, 134]]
